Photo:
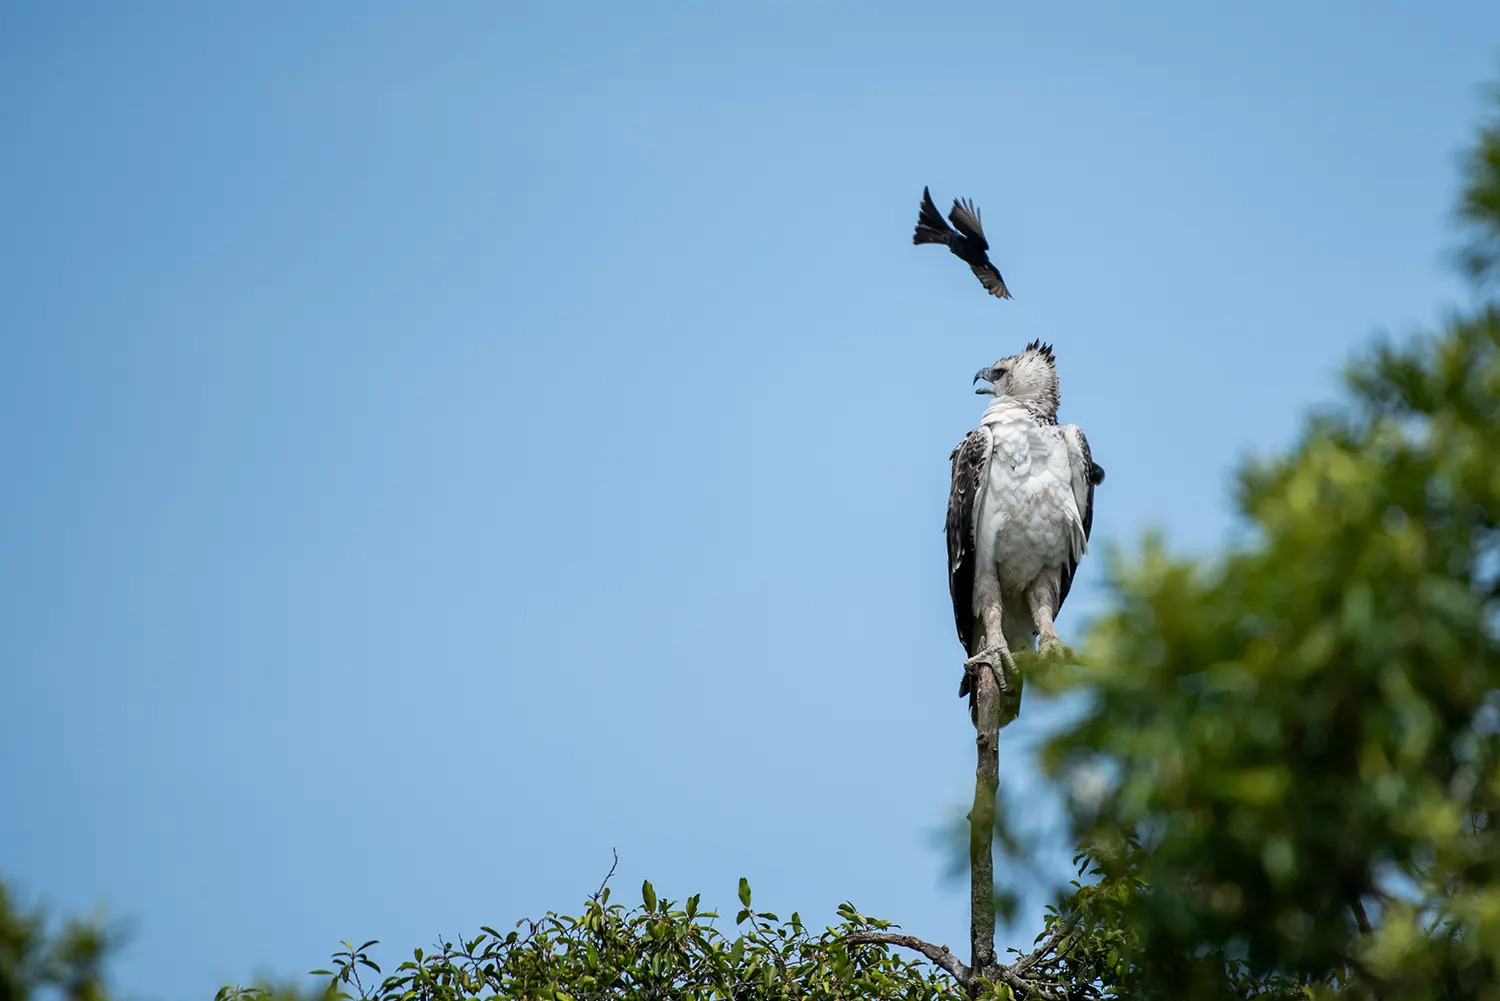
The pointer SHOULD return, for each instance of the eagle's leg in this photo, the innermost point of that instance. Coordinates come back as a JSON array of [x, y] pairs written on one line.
[[1042, 598], [996, 652]]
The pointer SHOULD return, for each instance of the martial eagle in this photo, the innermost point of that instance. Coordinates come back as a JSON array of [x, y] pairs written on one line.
[[1019, 516], [967, 242]]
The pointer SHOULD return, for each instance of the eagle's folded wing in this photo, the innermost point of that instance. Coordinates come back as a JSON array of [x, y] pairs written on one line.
[[1082, 467], [971, 461]]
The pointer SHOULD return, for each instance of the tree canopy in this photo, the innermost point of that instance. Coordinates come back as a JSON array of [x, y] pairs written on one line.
[[1291, 749]]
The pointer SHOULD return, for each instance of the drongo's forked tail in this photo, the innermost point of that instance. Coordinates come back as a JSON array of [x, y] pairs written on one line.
[[930, 225]]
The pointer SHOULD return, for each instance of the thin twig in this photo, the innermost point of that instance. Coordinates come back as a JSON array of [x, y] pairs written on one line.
[[600, 892], [1360, 917], [1035, 956]]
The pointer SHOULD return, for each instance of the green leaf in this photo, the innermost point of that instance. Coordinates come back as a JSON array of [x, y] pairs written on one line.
[[744, 891], [648, 894]]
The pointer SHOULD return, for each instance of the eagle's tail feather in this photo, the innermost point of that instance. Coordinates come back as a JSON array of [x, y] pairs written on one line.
[[931, 227], [1010, 697], [1010, 701]]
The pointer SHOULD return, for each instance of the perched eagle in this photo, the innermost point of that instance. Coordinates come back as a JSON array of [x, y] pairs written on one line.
[[967, 241], [1019, 516]]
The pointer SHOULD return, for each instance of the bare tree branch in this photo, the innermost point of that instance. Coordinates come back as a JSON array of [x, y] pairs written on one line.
[[967, 977], [939, 954], [982, 819]]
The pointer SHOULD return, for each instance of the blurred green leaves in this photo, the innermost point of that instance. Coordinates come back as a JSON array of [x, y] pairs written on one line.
[[37, 960], [1300, 735]]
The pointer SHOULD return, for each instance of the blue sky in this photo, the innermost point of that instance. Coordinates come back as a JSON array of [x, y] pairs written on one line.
[[445, 442]]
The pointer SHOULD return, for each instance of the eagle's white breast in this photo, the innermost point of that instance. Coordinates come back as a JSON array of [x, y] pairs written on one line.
[[1026, 520]]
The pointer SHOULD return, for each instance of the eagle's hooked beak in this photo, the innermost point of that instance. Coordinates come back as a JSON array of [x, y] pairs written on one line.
[[990, 375]]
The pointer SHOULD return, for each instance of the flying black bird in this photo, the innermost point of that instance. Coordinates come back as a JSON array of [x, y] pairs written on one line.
[[967, 241]]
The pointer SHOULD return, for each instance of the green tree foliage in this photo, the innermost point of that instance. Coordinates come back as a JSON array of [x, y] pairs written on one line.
[[1289, 770], [655, 950]]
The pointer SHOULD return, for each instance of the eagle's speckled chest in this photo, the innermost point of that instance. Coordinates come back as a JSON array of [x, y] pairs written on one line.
[[1027, 515]]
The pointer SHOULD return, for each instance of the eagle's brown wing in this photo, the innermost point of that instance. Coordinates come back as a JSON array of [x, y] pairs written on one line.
[[971, 461]]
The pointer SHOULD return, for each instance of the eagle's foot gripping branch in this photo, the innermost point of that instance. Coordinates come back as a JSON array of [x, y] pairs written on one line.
[[997, 658], [1008, 683]]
